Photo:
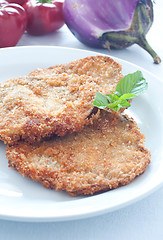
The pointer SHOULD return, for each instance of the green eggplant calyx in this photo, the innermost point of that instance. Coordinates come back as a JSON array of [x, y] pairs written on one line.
[[141, 23], [106, 44]]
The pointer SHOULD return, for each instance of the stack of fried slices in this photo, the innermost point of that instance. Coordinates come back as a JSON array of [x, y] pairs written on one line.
[[56, 137]]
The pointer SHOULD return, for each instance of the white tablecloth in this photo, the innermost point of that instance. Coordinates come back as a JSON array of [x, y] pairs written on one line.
[[141, 220]]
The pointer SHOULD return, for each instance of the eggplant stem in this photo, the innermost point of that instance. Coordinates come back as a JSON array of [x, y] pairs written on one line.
[[142, 42]]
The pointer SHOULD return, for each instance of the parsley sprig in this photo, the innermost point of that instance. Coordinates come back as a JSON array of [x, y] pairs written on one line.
[[129, 87]]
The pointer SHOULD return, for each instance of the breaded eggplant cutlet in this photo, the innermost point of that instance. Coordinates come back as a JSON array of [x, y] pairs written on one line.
[[104, 155], [99, 67], [57, 100]]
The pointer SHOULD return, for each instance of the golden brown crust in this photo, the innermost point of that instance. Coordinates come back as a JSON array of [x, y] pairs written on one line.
[[107, 154], [56, 100]]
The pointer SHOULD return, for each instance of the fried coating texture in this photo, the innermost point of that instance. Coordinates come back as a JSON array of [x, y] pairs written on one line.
[[56, 100], [105, 155]]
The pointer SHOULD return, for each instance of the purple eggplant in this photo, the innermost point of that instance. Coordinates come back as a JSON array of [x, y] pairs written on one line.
[[110, 24]]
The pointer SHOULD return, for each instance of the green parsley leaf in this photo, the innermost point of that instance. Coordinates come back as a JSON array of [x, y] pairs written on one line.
[[133, 83], [128, 88], [100, 101]]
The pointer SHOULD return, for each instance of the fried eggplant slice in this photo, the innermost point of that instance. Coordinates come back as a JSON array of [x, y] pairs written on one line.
[[103, 156], [55, 100]]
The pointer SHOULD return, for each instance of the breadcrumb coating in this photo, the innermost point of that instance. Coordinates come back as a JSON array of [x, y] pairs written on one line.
[[56, 100], [106, 154]]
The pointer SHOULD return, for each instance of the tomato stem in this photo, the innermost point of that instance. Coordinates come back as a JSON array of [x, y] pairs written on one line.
[[44, 1]]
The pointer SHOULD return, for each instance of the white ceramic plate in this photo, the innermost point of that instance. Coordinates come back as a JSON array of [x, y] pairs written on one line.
[[24, 200]]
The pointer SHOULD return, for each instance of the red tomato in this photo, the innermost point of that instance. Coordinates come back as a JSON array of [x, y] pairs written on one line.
[[13, 22], [20, 2], [43, 17]]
